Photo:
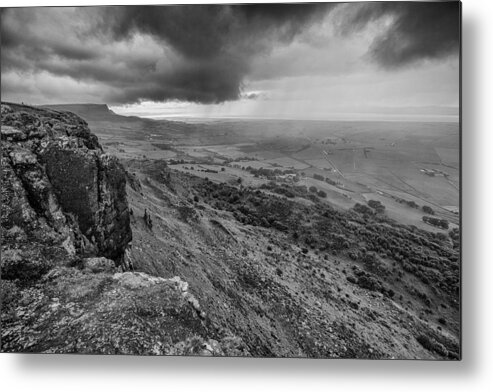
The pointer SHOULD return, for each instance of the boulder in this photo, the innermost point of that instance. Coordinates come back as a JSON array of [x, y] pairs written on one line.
[[140, 280], [136, 280], [98, 264], [12, 134], [25, 264]]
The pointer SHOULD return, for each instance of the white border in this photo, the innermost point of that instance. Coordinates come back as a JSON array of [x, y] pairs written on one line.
[[96, 373]]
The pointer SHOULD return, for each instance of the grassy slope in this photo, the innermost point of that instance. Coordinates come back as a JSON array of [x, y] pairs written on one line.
[[282, 299]]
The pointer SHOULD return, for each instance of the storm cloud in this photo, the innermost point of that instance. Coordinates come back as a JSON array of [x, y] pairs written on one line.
[[417, 30], [199, 53], [215, 44]]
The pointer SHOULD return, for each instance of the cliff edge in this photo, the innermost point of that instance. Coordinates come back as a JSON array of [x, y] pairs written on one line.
[[66, 286], [57, 182]]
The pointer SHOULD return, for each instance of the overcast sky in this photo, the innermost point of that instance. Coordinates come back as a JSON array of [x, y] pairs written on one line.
[[336, 61]]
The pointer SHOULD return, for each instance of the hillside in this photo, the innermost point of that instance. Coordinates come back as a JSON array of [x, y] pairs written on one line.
[[293, 279], [67, 286], [213, 268]]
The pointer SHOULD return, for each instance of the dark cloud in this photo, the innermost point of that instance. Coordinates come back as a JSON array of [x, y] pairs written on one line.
[[206, 31], [200, 53], [218, 43], [417, 31], [198, 81], [210, 46]]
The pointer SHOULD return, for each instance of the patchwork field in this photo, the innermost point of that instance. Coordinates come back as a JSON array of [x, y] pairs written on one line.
[[354, 161]]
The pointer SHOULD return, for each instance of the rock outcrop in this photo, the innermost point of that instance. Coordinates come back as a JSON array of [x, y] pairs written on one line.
[[65, 283], [70, 310], [58, 185]]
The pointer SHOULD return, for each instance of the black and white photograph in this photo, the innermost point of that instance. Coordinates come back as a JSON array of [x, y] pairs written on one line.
[[232, 180]]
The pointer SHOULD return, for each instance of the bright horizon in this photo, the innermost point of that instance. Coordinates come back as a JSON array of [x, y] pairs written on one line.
[[204, 115]]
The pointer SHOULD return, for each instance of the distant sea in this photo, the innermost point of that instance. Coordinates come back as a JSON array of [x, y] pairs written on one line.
[[344, 117]]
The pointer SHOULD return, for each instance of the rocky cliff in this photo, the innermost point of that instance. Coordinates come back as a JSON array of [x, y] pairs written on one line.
[[65, 221], [57, 182]]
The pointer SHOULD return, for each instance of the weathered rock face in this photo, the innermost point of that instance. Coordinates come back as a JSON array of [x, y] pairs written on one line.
[[65, 230], [59, 186]]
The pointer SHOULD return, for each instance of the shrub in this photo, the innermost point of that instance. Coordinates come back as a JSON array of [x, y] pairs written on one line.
[[376, 205], [454, 234], [441, 236], [412, 204], [351, 279], [442, 223], [362, 209], [432, 345], [312, 197], [428, 210]]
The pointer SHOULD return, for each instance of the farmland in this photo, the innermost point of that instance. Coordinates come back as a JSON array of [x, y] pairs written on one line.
[[391, 162]]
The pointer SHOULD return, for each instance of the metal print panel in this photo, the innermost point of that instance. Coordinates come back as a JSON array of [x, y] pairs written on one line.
[[264, 180]]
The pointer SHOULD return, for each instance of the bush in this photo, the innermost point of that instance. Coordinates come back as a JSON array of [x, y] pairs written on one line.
[[321, 194], [368, 282], [376, 205], [351, 279], [454, 234], [313, 189], [312, 197], [441, 236], [428, 210], [432, 345], [412, 204], [362, 209], [442, 223]]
